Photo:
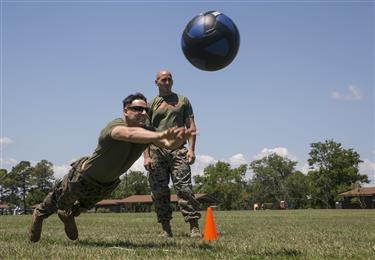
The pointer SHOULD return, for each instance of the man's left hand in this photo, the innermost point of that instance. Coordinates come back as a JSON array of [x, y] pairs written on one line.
[[190, 156]]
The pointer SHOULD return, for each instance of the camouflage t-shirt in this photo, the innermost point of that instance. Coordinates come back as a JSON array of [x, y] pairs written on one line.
[[112, 157], [169, 111]]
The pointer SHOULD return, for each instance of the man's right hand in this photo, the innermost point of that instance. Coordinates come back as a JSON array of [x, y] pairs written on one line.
[[174, 137]]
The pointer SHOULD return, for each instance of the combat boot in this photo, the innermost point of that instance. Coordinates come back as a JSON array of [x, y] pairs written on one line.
[[69, 224], [167, 230], [194, 228], [36, 227]]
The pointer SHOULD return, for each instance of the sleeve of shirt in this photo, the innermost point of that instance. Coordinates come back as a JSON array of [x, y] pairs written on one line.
[[188, 109], [151, 105], [105, 134]]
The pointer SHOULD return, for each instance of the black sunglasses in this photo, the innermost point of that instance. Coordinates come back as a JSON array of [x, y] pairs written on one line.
[[139, 109]]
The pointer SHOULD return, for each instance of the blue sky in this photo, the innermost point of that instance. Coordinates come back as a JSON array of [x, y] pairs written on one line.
[[304, 73]]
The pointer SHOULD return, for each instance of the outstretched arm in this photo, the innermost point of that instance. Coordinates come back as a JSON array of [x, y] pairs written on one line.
[[135, 134], [171, 138]]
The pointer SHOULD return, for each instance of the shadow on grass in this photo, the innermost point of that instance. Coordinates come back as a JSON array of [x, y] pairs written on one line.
[[132, 245]]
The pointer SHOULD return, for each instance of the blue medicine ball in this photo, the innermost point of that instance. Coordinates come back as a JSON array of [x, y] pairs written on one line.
[[210, 41]]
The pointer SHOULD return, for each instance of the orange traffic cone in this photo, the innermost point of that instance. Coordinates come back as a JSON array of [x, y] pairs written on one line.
[[209, 227]]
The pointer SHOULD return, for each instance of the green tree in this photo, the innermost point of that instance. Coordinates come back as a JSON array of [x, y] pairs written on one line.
[[257, 194], [20, 183], [133, 183], [270, 179], [42, 181], [226, 184], [334, 170], [9, 188], [298, 190], [3, 184]]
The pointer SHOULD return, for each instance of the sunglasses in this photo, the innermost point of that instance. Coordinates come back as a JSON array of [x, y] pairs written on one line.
[[139, 109]]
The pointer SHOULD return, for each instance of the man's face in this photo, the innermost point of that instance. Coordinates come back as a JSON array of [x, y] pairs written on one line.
[[164, 81], [136, 113]]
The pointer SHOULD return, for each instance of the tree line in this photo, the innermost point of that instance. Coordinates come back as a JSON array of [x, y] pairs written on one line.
[[332, 170]]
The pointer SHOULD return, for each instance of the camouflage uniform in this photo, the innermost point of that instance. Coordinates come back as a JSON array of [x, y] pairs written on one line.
[[172, 164], [75, 193], [92, 178]]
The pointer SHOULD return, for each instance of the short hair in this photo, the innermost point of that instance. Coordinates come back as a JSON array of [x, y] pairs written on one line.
[[129, 99]]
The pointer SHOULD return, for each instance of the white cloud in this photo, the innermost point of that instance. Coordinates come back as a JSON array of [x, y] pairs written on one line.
[[237, 159], [303, 167], [7, 163], [138, 165], [60, 170], [201, 162], [206, 159], [5, 140], [353, 93], [282, 151]]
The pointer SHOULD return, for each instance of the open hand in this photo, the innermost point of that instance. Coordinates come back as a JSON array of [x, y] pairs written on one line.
[[174, 137]]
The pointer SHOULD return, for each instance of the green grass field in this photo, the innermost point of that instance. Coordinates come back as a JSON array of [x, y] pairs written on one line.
[[290, 234]]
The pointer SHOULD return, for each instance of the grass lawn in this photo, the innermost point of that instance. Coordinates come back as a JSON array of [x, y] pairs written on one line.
[[269, 234]]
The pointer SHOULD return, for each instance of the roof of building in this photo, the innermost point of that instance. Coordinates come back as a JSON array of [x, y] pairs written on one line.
[[109, 202], [138, 199], [364, 191], [4, 206], [203, 198]]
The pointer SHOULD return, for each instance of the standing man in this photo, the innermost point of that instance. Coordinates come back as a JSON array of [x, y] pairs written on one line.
[[92, 178], [167, 110]]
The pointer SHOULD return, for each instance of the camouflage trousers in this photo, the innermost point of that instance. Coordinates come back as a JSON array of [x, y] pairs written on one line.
[[75, 193], [168, 164]]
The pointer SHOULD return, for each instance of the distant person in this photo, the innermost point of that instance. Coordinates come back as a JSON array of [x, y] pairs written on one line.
[[16, 210], [169, 109], [92, 178]]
